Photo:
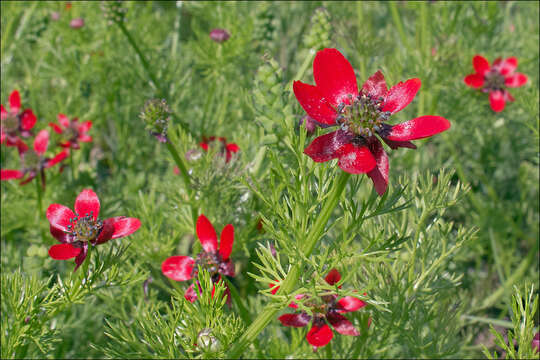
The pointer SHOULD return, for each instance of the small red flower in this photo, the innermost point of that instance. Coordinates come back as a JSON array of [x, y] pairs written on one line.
[[15, 123], [75, 230], [495, 79], [34, 161], [214, 259], [361, 116], [326, 311], [225, 149], [72, 131]]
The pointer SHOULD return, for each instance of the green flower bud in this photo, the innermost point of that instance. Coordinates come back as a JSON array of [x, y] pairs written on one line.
[[156, 116]]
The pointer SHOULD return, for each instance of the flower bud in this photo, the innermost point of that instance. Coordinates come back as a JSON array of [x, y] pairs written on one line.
[[206, 340], [219, 35], [311, 125], [318, 36], [156, 116], [76, 23]]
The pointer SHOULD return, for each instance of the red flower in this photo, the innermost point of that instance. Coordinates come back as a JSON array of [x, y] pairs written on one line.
[[219, 35], [75, 230], [214, 259], [34, 161], [361, 116], [495, 79], [225, 149], [326, 310], [15, 123], [72, 131]]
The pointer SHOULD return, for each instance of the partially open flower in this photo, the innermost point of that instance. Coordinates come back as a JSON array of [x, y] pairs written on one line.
[[76, 230], [214, 259], [72, 131], [34, 161], [76, 23], [496, 79], [15, 123], [326, 311], [219, 35], [156, 114]]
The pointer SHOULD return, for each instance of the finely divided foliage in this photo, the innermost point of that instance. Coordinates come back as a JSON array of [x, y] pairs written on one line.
[[247, 146]]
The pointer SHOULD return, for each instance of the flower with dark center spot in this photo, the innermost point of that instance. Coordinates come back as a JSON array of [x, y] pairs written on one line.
[[15, 123], [361, 117], [213, 259], [72, 131], [34, 161], [496, 79], [325, 311], [76, 230]]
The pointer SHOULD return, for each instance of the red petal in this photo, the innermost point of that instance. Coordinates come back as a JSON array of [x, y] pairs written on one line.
[[3, 113], [226, 241], [57, 129], [41, 142], [6, 174], [508, 96], [207, 234], [274, 287], [375, 86], [59, 216], [507, 66], [81, 257], [28, 119], [14, 102], [400, 95], [319, 336], [84, 138], [355, 160], [191, 294], [334, 76], [60, 235], [63, 251], [204, 146], [178, 268], [106, 233], [232, 147], [325, 147], [480, 64], [295, 320], [87, 202], [350, 303], [397, 144], [85, 126], [419, 128], [333, 277], [21, 146], [313, 102], [474, 80], [58, 158], [63, 120], [341, 324], [379, 174], [496, 100], [124, 226], [516, 80]]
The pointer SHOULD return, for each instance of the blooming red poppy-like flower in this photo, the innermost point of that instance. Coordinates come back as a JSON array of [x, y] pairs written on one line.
[[15, 123], [327, 311], [496, 79], [225, 149], [215, 259], [34, 161], [361, 115], [72, 131], [76, 230]]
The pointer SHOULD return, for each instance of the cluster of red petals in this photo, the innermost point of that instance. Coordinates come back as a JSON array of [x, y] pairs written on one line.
[[22, 123], [225, 149], [335, 87], [214, 258], [34, 161], [321, 333], [63, 220], [72, 130], [495, 79]]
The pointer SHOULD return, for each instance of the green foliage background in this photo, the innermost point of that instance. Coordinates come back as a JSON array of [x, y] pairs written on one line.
[[477, 224]]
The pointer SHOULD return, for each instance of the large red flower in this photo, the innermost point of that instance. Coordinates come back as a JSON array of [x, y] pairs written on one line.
[[72, 131], [361, 116], [326, 311], [216, 260], [75, 230], [34, 161], [495, 79], [15, 123]]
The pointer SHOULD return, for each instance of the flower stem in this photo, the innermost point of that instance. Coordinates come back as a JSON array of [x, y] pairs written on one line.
[[244, 312], [270, 311], [399, 25], [72, 171]]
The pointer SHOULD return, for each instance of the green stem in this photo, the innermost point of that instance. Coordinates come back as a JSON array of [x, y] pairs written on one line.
[[362, 24], [328, 349], [399, 25], [270, 311], [244, 312], [39, 190], [72, 171], [503, 323], [415, 243]]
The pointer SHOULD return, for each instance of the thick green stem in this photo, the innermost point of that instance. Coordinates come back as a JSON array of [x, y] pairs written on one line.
[[270, 311]]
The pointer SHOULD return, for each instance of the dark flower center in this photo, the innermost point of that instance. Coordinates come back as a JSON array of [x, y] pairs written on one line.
[[72, 133], [31, 160], [207, 261], [362, 116], [493, 80], [10, 124], [84, 229]]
